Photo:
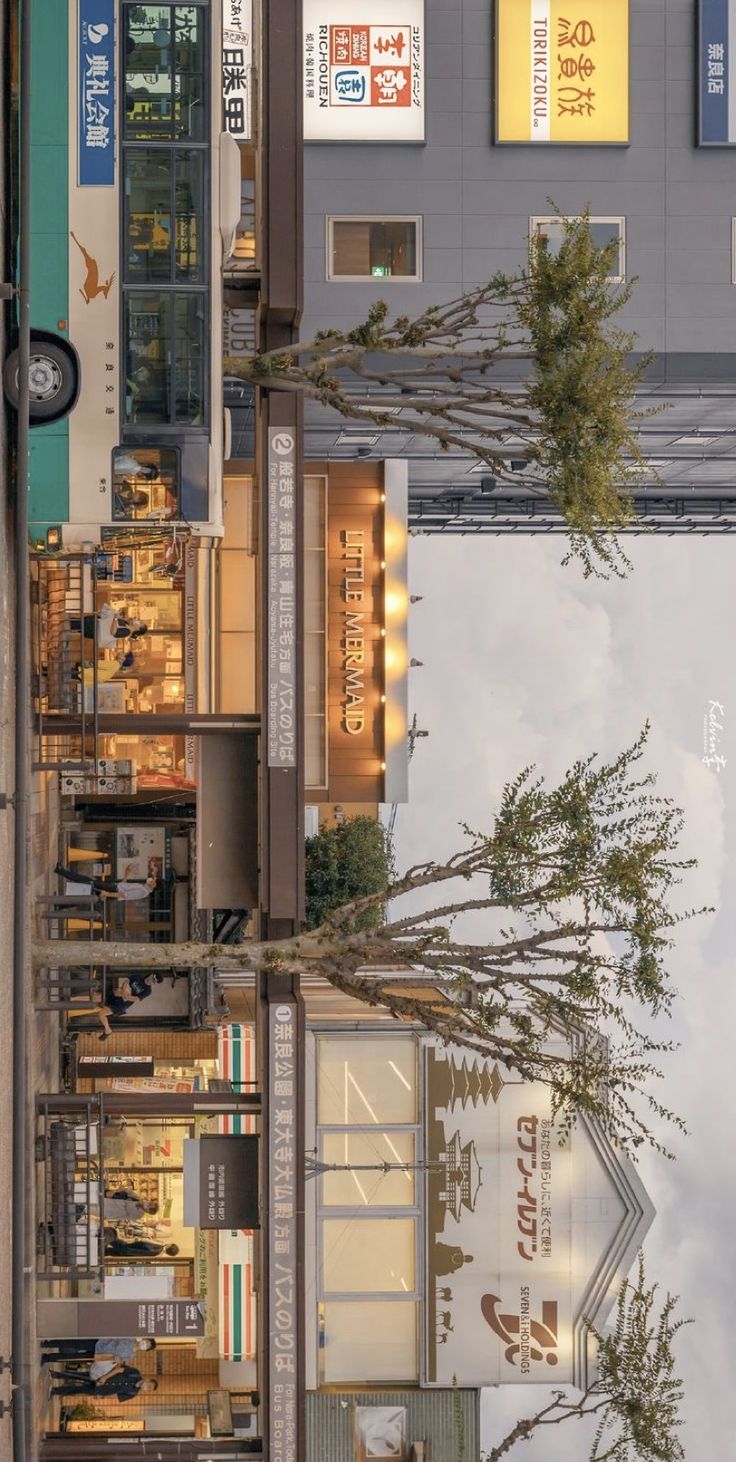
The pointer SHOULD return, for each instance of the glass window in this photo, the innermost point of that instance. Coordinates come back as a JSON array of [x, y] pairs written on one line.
[[164, 72], [362, 1153], [369, 1340], [604, 231], [148, 213], [147, 357], [189, 369], [190, 214], [373, 248], [145, 483], [368, 1255], [365, 1081]]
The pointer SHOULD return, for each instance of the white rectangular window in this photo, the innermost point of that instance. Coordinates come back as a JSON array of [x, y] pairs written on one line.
[[369, 1208], [374, 248], [368, 1340], [367, 1082], [604, 231]]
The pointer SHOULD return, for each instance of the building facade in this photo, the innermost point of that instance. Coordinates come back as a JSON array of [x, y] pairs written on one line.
[[418, 216]]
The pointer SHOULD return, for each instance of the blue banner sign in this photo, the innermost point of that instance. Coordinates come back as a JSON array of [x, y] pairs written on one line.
[[717, 79], [97, 92]]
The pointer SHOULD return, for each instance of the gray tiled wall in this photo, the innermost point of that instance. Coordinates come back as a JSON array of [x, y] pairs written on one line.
[[476, 199]]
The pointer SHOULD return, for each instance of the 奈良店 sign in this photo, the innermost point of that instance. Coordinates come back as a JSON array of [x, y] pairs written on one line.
[[562, 71], [717, 73], [363, 71]]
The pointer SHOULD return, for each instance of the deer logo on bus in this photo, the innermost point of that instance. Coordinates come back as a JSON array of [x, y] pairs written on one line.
[[92, 285]]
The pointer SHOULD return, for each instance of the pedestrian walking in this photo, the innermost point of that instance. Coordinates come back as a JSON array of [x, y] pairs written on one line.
[[122, 1382], [115, 1348], [110, 888]]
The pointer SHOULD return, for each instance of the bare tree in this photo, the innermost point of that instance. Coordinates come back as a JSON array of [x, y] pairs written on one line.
[[444, 376], [634, 1401], [581, 876]]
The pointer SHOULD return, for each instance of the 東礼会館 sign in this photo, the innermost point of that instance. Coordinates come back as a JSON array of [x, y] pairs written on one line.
[[562, 71]]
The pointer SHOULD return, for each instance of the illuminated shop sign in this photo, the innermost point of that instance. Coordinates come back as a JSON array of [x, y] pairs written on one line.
[[363, 71], [562, 71]]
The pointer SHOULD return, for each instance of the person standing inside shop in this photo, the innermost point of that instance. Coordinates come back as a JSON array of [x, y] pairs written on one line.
[[111, 627], [109, 888], [122, 1205], [136, 1248]]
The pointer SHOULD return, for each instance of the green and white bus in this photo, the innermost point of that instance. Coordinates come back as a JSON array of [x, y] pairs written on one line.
[[135, 201]]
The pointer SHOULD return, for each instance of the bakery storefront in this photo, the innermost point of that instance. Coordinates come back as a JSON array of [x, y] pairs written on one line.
[[355, 632]]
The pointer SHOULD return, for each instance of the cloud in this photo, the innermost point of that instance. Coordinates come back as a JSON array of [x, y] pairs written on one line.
[[524, 662]]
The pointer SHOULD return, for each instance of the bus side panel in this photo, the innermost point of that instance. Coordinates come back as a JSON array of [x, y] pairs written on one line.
[[94, 303], [49, 475], [49, 457]]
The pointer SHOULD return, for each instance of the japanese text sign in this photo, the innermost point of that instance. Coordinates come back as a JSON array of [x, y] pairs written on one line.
[[363, 71], [717, 47], [562, 71], [96, 62], [237, 59], [283, 1299], [282, 705], [140, 1317], [221, 1181]]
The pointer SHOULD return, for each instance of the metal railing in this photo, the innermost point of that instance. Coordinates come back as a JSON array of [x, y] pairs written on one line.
[[68, 1146], [64, 592]]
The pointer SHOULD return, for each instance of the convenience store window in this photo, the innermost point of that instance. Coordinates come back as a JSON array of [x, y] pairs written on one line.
[[368, 1209]]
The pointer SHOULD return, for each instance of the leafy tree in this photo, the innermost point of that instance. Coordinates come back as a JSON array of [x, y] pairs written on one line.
[[634, 1399], [345, 862], [581, 874], [443, 372]]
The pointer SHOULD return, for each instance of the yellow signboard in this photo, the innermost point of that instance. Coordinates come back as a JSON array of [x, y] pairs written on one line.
[[562, 71]]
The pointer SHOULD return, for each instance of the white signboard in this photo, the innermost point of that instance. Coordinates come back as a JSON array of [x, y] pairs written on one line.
[[283, 1295], [518, 1223], [237, 60], [282, 709], [363, 71]]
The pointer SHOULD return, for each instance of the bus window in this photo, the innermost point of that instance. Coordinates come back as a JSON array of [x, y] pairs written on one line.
[[145, 483]]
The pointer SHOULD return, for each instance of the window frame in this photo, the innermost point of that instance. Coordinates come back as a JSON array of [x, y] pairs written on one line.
[[416, 218], [357, 1212], [538, 220], [173, 146]]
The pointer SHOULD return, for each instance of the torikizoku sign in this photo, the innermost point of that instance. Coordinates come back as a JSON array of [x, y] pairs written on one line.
[[717, 73], [363, 71], [562, 71], [96, 62]]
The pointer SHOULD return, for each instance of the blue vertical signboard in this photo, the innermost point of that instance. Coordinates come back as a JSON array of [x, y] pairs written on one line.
[[717, 40], [96, 93]]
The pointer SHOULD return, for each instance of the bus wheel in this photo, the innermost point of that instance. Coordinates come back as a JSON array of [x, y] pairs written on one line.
[[52, 379]]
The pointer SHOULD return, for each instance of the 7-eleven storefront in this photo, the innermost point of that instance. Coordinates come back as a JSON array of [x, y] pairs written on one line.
[[184, 1274]]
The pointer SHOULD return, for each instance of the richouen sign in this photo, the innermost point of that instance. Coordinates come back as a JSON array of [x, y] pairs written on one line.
[[363, 70]]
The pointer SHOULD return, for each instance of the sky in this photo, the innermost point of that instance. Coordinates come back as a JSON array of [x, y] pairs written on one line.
[[523, 661]]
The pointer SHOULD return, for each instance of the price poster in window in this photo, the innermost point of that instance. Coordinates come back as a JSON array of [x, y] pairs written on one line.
[[363, 71]]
